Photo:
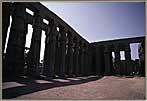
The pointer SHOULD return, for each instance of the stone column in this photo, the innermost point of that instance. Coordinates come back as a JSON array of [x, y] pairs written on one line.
[[117, 58], [86, 60], [76, 52], [62, 51], [79, 60], [66, 58], [128, 58], [70, 54], [6, 10], [35, 46], [73, 68], [50, 49], [89, 60], [98, 61], [16, 43], [82, 59], [141, 52], [107, 61], [57, 58]]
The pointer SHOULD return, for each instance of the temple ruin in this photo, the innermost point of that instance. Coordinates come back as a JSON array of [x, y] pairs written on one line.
[[66, 52]]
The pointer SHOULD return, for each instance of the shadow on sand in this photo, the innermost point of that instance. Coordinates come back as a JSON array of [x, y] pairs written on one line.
[[32, 86]]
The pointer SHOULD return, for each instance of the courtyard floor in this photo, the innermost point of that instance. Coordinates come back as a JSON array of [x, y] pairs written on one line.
[[92, 87]]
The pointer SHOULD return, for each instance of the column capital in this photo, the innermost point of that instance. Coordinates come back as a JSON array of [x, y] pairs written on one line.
[[106, 49], [52, 31], [116, 48], [127, 52], [86, 49], [127, 47], [76, 47], [63, 34], [19, 10], [70, 42], [77, 43], [37, 21], [82, 47]]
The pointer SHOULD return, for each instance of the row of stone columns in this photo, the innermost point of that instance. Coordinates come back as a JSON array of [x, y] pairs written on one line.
[[55, 56], [65, 53], [108, 59], [16, 45], [127, 68], [64, 58]]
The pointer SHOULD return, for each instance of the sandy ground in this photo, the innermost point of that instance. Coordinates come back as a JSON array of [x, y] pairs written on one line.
[[107, 87]]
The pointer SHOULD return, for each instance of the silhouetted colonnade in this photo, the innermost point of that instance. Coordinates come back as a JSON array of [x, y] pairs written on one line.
[[102, 56], [66, 52]]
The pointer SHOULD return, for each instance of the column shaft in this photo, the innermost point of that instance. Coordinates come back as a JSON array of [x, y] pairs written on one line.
[[6, 9], [15, 47], [62, 52], [50, 50], [86, 60], [128, 58], [35, 46], [79, 61], [57, 58], [89, 60], [117, 59], [76, 58], [98, 61], [70, 54], [107, 61], [82, 59]]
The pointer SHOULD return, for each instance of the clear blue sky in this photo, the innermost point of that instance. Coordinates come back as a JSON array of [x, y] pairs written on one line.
[[99, 21]]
